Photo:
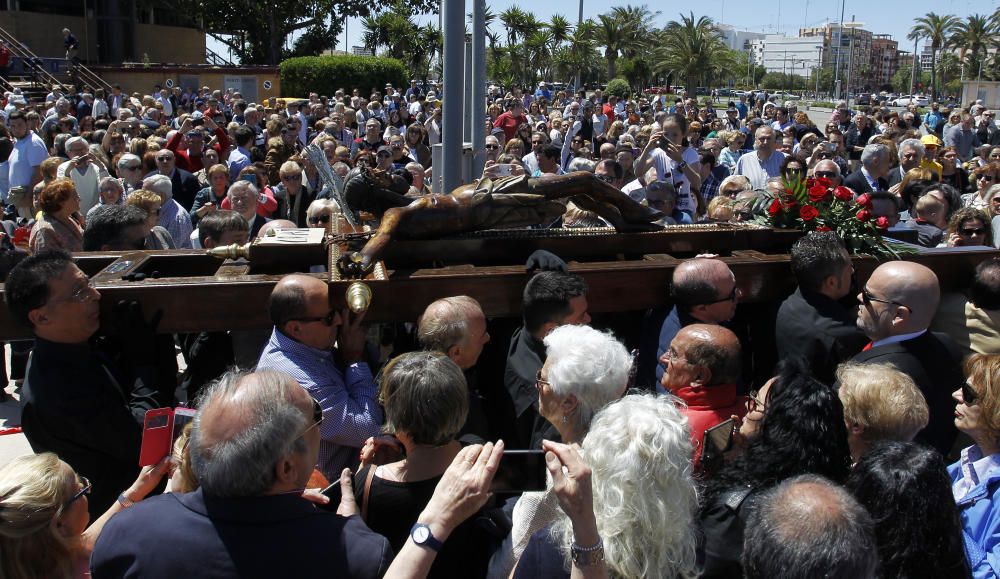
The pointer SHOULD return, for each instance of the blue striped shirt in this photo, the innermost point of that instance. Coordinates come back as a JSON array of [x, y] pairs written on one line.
[[351, 412]]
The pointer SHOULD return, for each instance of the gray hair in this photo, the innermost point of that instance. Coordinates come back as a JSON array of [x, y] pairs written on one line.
[[809, 527], [240, 185], [159, 184], [445, 322], [639, 451], [581, 164], [72, 141], [243, 464], [914, 144], [589, 364], [127, 158], [320, 205], [874, 153], [426, 396]]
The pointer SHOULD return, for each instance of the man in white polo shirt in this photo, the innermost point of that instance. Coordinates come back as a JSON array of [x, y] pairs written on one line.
[[85, 170], [764, 162]]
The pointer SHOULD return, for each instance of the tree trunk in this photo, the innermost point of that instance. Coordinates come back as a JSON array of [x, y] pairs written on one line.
[[933, 73], [612, 63]]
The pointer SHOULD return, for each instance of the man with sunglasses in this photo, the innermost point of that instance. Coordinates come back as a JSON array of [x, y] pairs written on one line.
[[76, 401], [897, 305], [704, 291], [306, 329]]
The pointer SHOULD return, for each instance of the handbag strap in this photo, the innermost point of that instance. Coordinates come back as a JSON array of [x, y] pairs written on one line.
[[367, 492]]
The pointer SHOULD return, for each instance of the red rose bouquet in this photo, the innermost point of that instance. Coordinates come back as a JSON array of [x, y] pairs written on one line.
[[817, 205]]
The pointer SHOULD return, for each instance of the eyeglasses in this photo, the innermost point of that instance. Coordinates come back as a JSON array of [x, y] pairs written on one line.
[[986, 177], [606, 178], [83, 294], [969, 394], [868, 298], [754, 403], [291, 177], [317, 417], [327, 319], [83, 491], [539, 382], [731, 297], [132, 167], [325, 218], [672, 357], [537, 142], [164, 159]]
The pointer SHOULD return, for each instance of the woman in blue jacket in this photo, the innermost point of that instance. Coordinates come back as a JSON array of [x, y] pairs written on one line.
[[976, 476]]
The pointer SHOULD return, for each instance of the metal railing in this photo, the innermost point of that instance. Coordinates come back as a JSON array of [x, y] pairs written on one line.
[[31, 60], [214, 58], [83, 75]]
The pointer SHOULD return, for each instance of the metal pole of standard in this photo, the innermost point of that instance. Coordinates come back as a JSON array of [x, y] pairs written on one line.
[[840, 49], [453, 18], [467, 96], [478, 86]]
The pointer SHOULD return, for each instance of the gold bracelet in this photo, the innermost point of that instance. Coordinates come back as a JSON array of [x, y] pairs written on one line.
[[587, 556]]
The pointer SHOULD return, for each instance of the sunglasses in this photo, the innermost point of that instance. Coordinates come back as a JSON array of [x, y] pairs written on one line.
[[969, 394], [492, 147], [868, 298], [319, 219], [825, 174], [971, 232], [606, 178], [87, 486], [987, 178], [317, 417], [754, 403], [327, 319], [291, 177], [164, 159]]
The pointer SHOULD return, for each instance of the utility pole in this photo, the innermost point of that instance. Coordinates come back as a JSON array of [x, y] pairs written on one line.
[[579, 22], [840, 46], [850, 62], [913, 68], [452, 13]]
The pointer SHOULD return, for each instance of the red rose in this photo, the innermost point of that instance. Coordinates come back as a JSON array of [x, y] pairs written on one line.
[[864, 200], [843, 193], [864, 215], [823, 228], [817, 193], [882, 222], [789, 192], [775, 208], [808, 213], [824, 182]]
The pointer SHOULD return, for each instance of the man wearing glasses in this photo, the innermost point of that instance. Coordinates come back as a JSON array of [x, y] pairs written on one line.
[[896, 308], [306, 329], [184, 185], [76, 402]]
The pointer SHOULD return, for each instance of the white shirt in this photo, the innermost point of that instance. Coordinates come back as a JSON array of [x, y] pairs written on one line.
[[749, 166], [86, 182], [600, 123], [667, 170], [975, 467]]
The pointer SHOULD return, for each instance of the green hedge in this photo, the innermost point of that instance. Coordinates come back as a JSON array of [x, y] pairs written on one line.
[[618, 87], [326, 74]]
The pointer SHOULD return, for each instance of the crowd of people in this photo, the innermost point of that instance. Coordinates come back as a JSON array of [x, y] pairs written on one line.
[[815, 442]]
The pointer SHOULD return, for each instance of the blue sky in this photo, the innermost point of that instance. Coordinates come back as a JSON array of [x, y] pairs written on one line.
[[769, 16]]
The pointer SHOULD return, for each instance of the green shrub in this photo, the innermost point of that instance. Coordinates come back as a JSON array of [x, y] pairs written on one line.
[[326, 74], [618, 87]]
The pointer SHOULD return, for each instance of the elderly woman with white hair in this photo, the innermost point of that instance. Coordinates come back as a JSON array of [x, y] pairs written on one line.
[[585, 370], [111, 193], [644, 498]]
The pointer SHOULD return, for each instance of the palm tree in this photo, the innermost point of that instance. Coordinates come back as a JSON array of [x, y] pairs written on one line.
[[692, 49], [973, 38], [559, 32], [938, 31]]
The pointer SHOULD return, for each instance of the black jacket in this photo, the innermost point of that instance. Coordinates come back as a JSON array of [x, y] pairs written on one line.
[[819, 330], [935, 364], [286, 205], [524, 359], [80, 405], [185, 186], [857, 182]]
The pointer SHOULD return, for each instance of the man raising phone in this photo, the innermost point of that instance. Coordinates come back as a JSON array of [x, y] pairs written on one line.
[[192, 136], [86, 171]]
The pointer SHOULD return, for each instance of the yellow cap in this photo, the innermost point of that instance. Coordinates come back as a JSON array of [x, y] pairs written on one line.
[[930, 140]]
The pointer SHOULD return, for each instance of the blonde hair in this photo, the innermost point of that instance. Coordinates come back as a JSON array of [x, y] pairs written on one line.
[[33, 492], [885, 401], [144, 199], [983, 371]]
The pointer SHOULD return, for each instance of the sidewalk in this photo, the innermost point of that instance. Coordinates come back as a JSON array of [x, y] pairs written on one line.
[[11, 445]]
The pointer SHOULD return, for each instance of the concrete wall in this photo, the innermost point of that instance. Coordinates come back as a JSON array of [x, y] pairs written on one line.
[[170, 44], [989, 91], [42, 33], [249, 80]]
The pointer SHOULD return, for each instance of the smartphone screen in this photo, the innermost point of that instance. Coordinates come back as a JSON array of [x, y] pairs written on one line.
[[182, 417], [520, 471], [717, 441]]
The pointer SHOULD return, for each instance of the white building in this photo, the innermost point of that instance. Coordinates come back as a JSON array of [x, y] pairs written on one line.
[[738, 39], [791, 54]]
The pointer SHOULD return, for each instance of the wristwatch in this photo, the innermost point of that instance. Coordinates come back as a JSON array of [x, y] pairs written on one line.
[[421, 535], [681, 165]]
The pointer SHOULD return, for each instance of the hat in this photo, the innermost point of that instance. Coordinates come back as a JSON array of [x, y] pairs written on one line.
[[732, 110], [383, 148], [930, 140], [496, 131]]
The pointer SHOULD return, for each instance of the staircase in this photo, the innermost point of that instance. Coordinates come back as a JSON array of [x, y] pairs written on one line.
[[38, 80], [215, 59]]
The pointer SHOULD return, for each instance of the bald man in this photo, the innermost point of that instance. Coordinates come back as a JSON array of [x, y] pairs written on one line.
[[703, 291], [701, 367], [253, 447], [306, 328], [897, 306], [828, 169]]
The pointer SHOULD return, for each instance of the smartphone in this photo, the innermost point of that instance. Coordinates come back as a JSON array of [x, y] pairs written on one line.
[[182, 417], [520, 471], [250, 177], [717, 441], [503, 170], [156, 432], [197, 122], [663, 143]]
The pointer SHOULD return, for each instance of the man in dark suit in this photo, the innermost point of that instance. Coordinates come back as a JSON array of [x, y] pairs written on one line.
[[253, 449], [874, 168], [897, 306], [812, 323], [244, 197], [911, 154], [185, 185]]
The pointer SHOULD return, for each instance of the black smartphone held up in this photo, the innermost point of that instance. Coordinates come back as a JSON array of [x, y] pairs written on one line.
[[333, 493], [197, 122], [717, 441], [520, 471]]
